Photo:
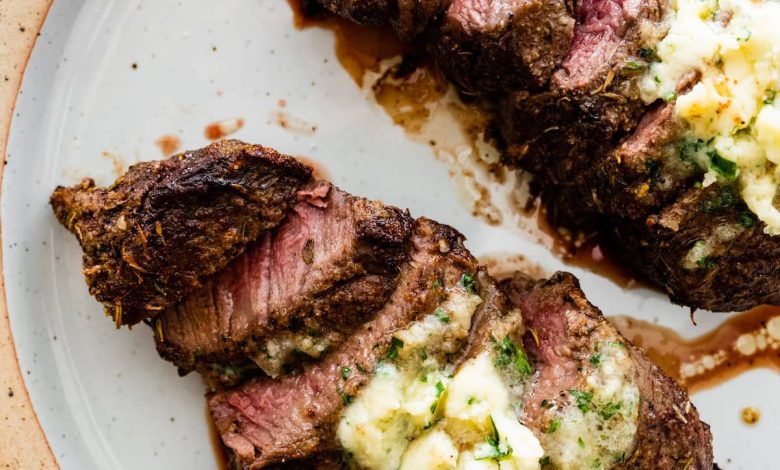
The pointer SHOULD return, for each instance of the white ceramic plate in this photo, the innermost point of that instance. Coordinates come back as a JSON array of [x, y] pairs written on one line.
[[104, 398]]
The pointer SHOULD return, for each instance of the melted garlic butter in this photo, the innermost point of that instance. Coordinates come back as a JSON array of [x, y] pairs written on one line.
[[597, 429], [732, 113], [416, 414]]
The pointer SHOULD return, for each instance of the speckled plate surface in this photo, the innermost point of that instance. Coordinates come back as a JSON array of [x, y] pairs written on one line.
[[107, 79]]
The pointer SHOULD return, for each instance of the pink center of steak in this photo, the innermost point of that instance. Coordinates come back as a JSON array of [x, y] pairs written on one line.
[[269, 420], [599, 37], [481, 15], [328, 237]]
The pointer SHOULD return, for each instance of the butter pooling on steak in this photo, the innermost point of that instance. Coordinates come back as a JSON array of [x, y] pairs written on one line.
[[572, 343], [162, 228], [300, 289], [303, 420]]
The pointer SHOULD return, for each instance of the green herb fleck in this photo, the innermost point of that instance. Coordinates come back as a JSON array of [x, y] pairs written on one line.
[[595, 359], [498, 450], [439, 391], [442, 315], [632, 67], [422, 353], [745, 35], [746, 219], [468, 283], [649, 54], [670, 96], [346, 398], [546, 404], [610, 409], [555, 423], [581, 443], [544, 460], [582, 398], [617, 344], [395, 345], [722, 166], [690, 149], [435, 284], [707, 263], [509, 353], [471, 401], [345, 371], [770, 96], [725, 198]]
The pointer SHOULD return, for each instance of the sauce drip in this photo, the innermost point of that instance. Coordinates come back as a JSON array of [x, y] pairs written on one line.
[[318, 169], [220, 455], [582, 250], [358, 48], [744, 341]]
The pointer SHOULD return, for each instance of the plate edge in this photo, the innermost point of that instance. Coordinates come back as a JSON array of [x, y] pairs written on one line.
[[23, 443]]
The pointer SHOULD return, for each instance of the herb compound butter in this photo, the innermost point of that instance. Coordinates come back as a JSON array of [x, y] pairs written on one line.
[[733, 46], [415, 413]]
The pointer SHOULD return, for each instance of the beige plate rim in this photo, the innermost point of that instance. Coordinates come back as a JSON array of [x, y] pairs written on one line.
[[23, 444]]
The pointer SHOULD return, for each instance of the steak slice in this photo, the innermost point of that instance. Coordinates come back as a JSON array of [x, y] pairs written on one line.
[[569, 339], [164, 226], [301, 287], [409, 18], [266, 421], [705, 249], [494, 46]]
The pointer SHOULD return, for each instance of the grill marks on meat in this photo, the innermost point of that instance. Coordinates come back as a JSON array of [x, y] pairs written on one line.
[[669, 433], [332, 262], [272, 420], [165, 226], [492, 46]]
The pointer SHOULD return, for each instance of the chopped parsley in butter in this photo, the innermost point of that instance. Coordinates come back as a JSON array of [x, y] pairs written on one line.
[[417, 412], [732, 115]]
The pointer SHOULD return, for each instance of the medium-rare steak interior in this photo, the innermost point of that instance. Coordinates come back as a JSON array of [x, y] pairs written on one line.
[[350, 335], [445, 382], [300, 289], [164, 226], [629, 111]]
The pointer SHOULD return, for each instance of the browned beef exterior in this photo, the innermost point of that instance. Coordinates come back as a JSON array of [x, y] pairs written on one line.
[[303, 286], [564, 333], [163, 227], [267, 421], [742, 264], [493, 46], [409, 18]]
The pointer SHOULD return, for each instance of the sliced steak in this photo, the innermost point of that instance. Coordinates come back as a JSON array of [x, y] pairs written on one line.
[[164, 226], [272, 420], [409, 18], [706, 249], [569, 339], [301, 288], [494, 46]]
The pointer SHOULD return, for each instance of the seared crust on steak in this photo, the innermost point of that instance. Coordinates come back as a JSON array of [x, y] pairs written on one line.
[[163, 227], [489, 47]]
